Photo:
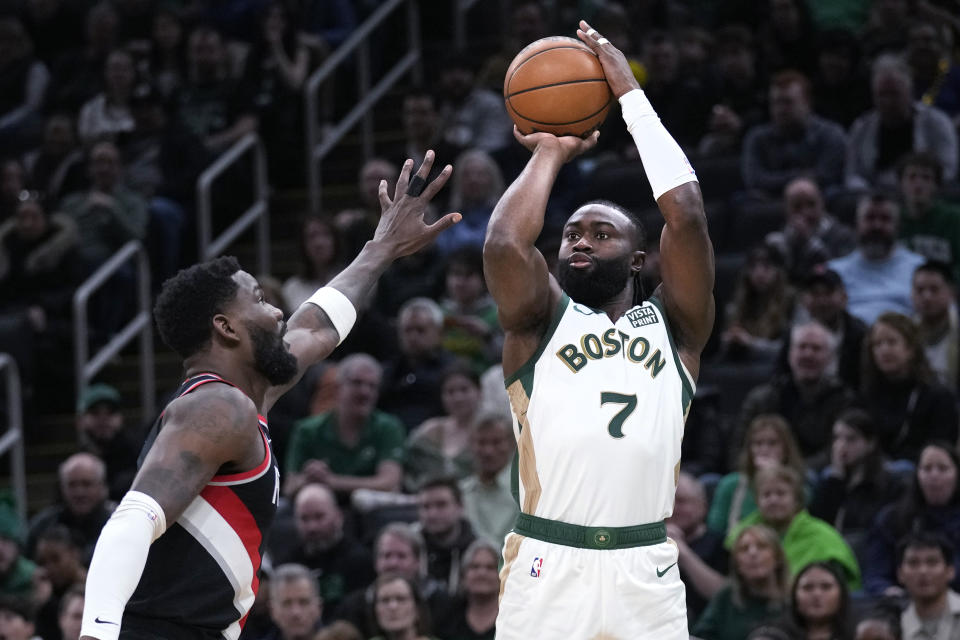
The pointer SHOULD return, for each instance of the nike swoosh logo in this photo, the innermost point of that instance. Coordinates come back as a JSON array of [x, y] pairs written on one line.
[[99, 621], [661, 573]]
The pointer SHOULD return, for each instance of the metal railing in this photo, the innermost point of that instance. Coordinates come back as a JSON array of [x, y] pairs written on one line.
[[258, 212], [12, 439], [85, 366], [319, 144]]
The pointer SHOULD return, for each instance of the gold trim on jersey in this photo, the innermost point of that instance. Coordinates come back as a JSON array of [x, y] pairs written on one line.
[[510, 552], [520, 402]]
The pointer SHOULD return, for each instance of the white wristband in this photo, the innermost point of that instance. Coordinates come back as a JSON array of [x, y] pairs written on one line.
[[664, 162], [338, 308], [118, 562]]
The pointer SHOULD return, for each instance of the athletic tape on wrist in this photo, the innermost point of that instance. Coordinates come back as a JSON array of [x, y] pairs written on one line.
[[664, 162], [338, 308]]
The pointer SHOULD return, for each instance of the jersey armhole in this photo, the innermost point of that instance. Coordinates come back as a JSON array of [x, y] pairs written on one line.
[[527, 367], [689, 386]]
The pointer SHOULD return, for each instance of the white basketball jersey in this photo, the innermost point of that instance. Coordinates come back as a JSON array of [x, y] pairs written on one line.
[[598, 414]]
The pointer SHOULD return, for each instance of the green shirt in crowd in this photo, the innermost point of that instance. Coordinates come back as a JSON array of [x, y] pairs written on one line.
[[317, 438], [935, 236], [723, 619]]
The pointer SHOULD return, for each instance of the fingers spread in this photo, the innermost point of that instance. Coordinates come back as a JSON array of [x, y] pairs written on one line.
[[443, 223], [383, 195], [404, 178], [437, 183]]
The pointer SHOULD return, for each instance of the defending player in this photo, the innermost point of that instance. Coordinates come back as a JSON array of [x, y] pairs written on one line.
[[600, 384], [194, 521]]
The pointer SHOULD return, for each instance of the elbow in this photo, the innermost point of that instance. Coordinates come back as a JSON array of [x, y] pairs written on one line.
[[498, 246]]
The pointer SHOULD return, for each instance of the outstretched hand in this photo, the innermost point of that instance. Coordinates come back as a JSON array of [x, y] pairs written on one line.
[[615, 66], [569, 146], [402, 224]]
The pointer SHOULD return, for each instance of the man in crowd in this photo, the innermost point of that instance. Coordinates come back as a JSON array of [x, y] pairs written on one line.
[[445, 531], [100, 431], [925, 571], [930, 226], [936, 316], [295, 603], [487, 500]]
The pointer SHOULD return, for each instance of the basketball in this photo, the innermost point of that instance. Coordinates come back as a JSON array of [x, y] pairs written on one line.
[[557, 85]]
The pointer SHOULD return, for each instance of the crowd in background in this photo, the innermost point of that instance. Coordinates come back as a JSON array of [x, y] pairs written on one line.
[[819, 497]]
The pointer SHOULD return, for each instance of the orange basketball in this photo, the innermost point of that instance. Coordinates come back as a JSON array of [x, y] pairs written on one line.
[[557, 85]]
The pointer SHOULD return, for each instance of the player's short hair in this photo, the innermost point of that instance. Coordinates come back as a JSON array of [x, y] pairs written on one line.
[[443, 482], [639, 229], [189, 300], [938, 267]]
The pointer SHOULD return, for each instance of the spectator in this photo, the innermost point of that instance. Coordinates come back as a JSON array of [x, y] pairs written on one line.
[[855, 485], [820, 603], [107, 115], [210, 104], [702, 559], [934, 299], [446, 533], [357, 224], [824, 299], [840, 91], [77, 76], [471, 327], [56, 167], [884, 30], [931, 505], [768, 440], [295, 603], [473, 614], [340, 562], [108, 214], [23, 82], [877, 274], [487, 498], [16, 619], [936, 76], [320, 260], [787, 36], [17, 571], [418, 275], [352, 446], [83, 506], [926, 569], [741, 94], [758, 589], [167, 60], [471, 116], [59, 556], [529, 21], [806, 539], [440, 446], [758, 316], [930, 226], [900, 391], [101, 432], [811, 235], [399, 610], [475, 187], [895, 126], [795, 142], [411, 388], [883, 623], [70, 613], [339, 630], [398, 550], [421, 128], [678, 93], [276, 68], [807, 396]]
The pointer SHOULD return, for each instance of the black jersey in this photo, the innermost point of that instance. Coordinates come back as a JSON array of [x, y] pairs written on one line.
[[202, 573]]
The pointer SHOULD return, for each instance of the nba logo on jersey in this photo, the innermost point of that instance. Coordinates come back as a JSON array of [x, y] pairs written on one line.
[[535, 567]]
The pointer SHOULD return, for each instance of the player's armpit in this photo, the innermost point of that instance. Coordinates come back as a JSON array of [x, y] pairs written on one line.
[[202, 432]]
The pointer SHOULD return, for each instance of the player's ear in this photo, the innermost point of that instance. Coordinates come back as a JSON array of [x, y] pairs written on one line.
[[637, 260], [224, 328]]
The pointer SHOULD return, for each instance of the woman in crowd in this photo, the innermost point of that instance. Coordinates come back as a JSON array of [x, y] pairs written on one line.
[[757, 593], [400, 611], [167, 63], [758, 317], [23, 81], [440, 446], [855, 485], [473, 615], [932, 504], [900, 391], [108, 114], [319, 260], [820, 603], [475, 187], [70, 613], [805, 539], [471, 328], [768, 441]]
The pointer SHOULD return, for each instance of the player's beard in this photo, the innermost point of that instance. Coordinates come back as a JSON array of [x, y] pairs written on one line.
[[271, 357], [596, 285]]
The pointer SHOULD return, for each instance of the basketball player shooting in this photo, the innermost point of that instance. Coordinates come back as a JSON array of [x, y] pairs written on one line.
[[600, 382], [179, 557]]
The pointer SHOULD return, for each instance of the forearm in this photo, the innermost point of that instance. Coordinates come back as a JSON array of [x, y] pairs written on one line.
[[518, 216], [386, 479], [292, 71], [702, 576], [243, 126]]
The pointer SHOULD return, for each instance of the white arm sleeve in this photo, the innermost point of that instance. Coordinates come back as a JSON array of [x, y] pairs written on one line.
[[118, 562], [663, 160]]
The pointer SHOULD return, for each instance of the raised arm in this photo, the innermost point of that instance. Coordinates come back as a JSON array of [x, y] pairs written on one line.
[[686, 254], [321, 323], [516, 272]]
